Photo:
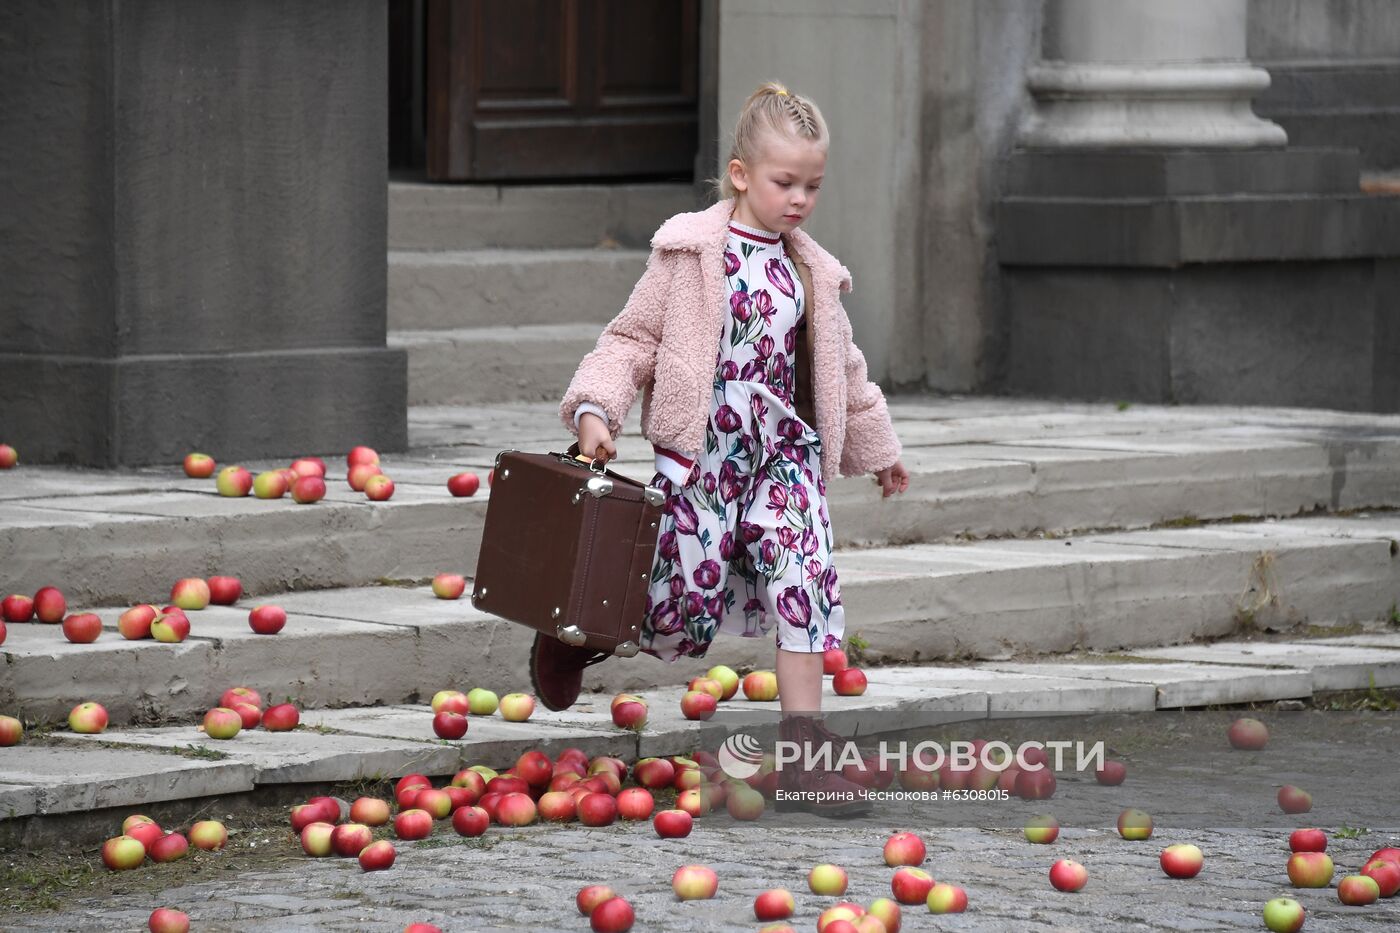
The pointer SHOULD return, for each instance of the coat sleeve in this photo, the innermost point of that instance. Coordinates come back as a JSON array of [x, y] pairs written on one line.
[[870, 444], [624, 358]]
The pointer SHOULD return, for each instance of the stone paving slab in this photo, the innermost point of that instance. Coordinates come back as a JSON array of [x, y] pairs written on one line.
[[1331, 667], [1180, 684], [300, 756], [1367, 639], [18, 800], [73, 779], [1023, 694]]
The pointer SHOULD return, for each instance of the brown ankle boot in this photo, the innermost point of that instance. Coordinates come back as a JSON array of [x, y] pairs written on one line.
[[556, 670], [815, 790]]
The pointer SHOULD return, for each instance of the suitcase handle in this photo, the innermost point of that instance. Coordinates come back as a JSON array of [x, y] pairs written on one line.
[[573, 454]]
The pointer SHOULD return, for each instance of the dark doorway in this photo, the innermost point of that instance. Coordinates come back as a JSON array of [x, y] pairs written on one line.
[[514, 90]]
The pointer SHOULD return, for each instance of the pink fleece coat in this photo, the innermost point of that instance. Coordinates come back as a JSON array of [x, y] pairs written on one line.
[[665, 341]]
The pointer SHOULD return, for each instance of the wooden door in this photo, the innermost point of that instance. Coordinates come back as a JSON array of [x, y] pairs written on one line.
[[521, 89]]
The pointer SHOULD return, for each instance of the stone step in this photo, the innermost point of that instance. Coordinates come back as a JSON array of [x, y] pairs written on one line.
[[993, 600], [126, 767], [514, 287], [980, 468], [464, 217], [473, 365]]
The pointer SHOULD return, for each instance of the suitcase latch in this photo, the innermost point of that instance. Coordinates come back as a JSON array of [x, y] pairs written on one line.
[[599, 486], [653, 495], [571, 635]]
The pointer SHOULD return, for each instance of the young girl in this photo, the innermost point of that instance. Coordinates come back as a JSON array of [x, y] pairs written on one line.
[[754, 392]]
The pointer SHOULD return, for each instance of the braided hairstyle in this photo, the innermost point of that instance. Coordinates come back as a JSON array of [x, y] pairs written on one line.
[[771, 109]]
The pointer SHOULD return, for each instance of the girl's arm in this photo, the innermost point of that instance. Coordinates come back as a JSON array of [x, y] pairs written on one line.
[[871, 444], [624, 358]]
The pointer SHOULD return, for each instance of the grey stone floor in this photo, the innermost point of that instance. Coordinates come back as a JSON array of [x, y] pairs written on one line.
[[1199, 790]]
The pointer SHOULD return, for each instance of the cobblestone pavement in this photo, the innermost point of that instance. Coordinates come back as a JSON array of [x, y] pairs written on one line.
[[526, 879]]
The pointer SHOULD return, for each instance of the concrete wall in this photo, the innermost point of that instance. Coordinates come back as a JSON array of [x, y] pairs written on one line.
[[1323, 30], [860, 63], [973, 80], [192, 251]]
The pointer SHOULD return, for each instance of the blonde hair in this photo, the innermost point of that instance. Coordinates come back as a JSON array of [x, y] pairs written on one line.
[[772, 109]]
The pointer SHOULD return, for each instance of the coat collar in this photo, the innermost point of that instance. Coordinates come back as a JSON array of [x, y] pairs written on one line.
[[699, 231]]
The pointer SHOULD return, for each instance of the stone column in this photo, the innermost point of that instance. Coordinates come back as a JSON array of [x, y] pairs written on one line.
[[193, 233], [1145, 73]]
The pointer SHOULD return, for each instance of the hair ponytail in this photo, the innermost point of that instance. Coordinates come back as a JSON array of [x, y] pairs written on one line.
[[771, 108]]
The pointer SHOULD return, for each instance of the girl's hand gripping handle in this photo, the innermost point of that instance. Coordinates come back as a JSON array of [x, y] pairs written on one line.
[[594, 439]]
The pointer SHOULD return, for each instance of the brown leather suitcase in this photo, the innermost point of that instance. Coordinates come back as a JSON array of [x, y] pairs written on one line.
[[568, 549]]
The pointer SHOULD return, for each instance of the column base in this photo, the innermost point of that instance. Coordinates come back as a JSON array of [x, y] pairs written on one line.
[[138, 410]]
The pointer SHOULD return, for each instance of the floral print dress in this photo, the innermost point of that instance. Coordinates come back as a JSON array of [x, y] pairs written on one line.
[[745, 544]]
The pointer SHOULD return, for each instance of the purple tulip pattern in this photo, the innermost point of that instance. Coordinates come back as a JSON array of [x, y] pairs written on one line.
[[745, 545]]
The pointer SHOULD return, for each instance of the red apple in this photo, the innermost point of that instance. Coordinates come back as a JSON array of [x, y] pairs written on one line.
[[591, 896], [1134, 824], [887, 912], [267, 620], [534, 767], [421, 928], [849, 682], [727, 679], [271, 484], [414, 824], [1284, 915], [463, 484], [774, 904], [614, 915], [379, 488], [654, 773], [1307, 840], [377, 856], [516, 810], [556, 806], [316, 838], [281, 718], [1042, 830], [169, 848], [694, 883], [145, 833], [470, 780], [1358, 890], [834, 660], [225, 591], [168, 920], [1181, 860], [450, 725], [470, 821], [309, 466], [171, 627], [436, 802], [698, 705], [1111, 773], [1310, 869], [827, 880], [761, 686], [88, 718], [904, 849], [349, 839], [304, 814], [1068, 875], [121, 853], [1389, 854], [911, 885], [517, 707], [672, 824], [362, 455], [49, 605], [635, 803], [82, 628], [946, 899], [135, 623], [449, 585], [1294, 799], [249, 713], [507, 784], [11, 731], [234, 482], [17, 608], [1034, 785], [1248, 734], [597, 809], [370, 811], [199, 466], [707, 685], [209, 835], [1385, 874], [308, 489], [630, 715], [235, 695], [360, 474], [222, 723]]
